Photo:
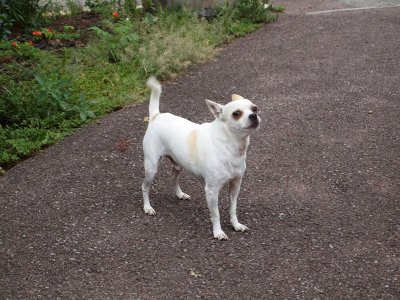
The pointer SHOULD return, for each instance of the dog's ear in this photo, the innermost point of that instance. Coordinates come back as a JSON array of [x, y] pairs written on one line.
[[236, 97], [215, 108]]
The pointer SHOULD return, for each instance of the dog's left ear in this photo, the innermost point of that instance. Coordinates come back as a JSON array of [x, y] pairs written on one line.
[[215, 108], [236, 97]]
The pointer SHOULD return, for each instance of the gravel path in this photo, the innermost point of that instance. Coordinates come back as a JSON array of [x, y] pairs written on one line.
[[321, 193]]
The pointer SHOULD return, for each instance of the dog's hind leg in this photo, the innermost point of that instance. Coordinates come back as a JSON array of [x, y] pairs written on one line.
[[150, 167], [176, 170]]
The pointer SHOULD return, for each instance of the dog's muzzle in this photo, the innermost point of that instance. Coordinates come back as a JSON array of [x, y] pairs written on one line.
[[254, 120]]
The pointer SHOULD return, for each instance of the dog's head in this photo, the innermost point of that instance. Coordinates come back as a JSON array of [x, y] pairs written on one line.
[[240, 114]]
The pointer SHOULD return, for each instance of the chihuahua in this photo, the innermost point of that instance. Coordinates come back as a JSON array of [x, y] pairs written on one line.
[[215, 152]]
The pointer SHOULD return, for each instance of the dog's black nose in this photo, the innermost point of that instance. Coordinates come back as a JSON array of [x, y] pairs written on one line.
[[253, 117]]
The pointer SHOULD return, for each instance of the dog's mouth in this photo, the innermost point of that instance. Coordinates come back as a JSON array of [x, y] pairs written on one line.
[[254, 125], [254, 121]]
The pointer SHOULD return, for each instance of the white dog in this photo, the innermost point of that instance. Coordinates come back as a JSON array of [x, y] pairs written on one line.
[[213, 151]]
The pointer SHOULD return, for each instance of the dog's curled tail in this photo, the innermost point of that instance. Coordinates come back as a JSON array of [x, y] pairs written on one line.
[[155, 87]]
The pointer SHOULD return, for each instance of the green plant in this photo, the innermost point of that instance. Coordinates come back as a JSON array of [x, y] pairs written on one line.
[[226, 13], [253, 11], [19, 143], [243, 28], [75, 7], [47, 33], [58, 95], [65, 36], [5, 46], [278, 8], [25, 51], [148, 5], [104, 7], [6, 20], [37, 113], [122, 44], [94, 4], [26, 13], [130, 7], [69, 28], [101, 33]]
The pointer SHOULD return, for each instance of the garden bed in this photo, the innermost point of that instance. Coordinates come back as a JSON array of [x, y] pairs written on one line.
[[66, 72]]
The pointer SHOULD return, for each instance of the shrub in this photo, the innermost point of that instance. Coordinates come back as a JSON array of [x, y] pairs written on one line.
[[38, 113], [6, 20], [253, 11], [25, 13]]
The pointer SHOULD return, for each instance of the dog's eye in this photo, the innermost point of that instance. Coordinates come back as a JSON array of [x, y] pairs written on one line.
[[254, 109], [237, 114]]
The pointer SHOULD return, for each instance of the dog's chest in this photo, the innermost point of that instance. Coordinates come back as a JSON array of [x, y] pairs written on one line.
[[233, 167]]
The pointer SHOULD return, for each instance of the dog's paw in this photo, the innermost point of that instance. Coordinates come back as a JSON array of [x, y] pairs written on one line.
[[220, 235], [183, 196], [240, 227], [149, 210]]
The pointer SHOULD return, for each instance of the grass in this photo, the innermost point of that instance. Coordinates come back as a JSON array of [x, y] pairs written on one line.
[[47, 96]]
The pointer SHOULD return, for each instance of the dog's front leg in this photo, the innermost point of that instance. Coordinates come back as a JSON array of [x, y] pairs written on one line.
[[212, 202], [234, 188]]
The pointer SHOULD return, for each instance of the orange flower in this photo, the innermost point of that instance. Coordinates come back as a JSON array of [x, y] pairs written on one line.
[[115, 14], [15, 44], [49, 30], [30, 42]]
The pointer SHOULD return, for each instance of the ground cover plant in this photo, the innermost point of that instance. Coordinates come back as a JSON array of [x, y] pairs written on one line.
[[60, 72]]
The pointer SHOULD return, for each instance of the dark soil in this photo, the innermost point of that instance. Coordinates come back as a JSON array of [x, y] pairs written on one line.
[[320, 196], [81, 24]]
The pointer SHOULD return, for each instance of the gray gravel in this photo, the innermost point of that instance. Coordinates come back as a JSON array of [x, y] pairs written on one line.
[[321, 193]]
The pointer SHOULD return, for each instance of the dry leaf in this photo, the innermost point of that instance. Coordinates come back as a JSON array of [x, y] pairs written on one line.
[[193, 273], [145, 119]]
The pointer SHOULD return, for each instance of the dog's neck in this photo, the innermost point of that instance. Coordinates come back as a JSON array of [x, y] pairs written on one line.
[[231, 140]]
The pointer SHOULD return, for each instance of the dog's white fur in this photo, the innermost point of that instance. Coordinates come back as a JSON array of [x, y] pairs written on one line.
[[213, 151]]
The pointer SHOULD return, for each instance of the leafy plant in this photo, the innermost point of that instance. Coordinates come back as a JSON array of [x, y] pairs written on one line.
[[253, 11], [147, 5], [74, 6], [6, 20], [101, 33], [58, 95], [25, 51], [94, 4], [104, 7], [65, 36], [122, 43], [39, 114], [69, 28], [26, 13], [20, 143], [47, 33], [276, 8]]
